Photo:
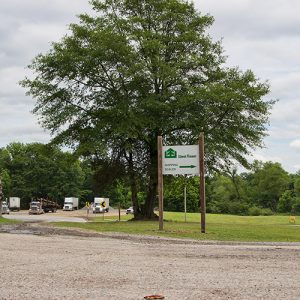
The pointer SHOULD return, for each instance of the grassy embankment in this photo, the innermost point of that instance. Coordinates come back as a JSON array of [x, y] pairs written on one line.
[[218, 227], [7, 221]]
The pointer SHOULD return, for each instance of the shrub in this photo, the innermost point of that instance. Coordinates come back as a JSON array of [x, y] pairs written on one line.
[[296, 206], [258, 211], [226, 207], [254, 211], [266, 212], [286, 201]]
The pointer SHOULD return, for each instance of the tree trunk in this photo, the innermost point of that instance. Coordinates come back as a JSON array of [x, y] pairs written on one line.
[[133, 187], [1, 196], [147, 209]]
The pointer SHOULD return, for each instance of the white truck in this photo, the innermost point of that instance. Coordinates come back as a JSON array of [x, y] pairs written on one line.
[[70, 203], [35, 208], [101, 205], [14, 203], [5, 209]]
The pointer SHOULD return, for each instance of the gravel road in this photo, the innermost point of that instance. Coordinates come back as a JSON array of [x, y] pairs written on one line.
[[48, 263], [78, 216], [44, 218]]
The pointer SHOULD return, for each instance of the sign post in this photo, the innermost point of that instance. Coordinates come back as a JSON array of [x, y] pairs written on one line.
[[184, 192], [1, 196], [160, 183], [87, 204], [181, 160], [202, 182]]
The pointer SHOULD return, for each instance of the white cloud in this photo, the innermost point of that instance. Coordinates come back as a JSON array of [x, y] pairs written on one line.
[[287, 110], [295, 144], [265, 157], [253, 18], [282, 84]]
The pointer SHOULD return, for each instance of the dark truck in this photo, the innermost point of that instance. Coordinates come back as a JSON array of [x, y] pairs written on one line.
[[42, 205]]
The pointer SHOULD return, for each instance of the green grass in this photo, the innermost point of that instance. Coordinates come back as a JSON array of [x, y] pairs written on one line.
[[7, 221], [218, 227]]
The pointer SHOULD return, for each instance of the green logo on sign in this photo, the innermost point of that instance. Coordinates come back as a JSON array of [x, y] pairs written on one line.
[[170, 153]]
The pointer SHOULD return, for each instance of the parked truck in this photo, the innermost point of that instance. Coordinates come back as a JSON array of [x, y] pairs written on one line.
[[5, 209], [42, 205], [101, 205], [35, 208], [14, 203], [49, 205], [70, 203]]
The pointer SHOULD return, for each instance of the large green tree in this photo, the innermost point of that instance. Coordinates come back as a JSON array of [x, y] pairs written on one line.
[[135, 70]]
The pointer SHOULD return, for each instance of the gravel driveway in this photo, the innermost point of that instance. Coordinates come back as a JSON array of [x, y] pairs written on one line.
[[44, 218], [78, 216], [55, 264]]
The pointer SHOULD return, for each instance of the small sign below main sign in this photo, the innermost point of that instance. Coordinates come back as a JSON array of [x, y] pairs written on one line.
[[182, 160]]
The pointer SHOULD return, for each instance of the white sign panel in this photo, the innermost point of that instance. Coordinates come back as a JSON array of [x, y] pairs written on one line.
[[180, 160]]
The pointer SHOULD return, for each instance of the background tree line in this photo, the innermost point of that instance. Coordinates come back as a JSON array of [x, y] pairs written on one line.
[[36, 170], [265, 190]]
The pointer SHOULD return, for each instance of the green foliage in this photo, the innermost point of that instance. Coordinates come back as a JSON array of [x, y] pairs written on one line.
[[119, 193], [258, 211], [297, 185], [267, 183], [254, 211], [286, 201], [266, 212], [37, 170], [174, 193], [139, 69], [6, 181], [296, 206], [227, 207]]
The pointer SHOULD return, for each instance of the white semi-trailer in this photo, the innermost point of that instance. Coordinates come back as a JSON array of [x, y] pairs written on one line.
[[14, 203], [71, 203], [101, 205]]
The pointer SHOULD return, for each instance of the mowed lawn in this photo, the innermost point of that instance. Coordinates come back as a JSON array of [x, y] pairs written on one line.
[[218, 227]]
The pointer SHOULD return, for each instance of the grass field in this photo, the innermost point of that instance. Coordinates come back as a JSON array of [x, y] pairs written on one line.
[[218, 227], [7, 221]]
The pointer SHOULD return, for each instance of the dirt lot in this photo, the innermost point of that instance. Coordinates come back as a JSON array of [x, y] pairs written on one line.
[[48, 263], [60, 216], [80, 213]]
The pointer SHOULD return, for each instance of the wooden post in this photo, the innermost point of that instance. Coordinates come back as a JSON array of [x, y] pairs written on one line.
[[160, 183], [1, 196], [119, 211], [184, 192], [202, 181]]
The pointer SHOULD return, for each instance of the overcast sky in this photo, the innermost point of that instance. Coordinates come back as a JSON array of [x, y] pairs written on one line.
[[263, 36]]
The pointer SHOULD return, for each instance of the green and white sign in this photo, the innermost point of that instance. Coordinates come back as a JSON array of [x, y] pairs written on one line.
[[178, 160]]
